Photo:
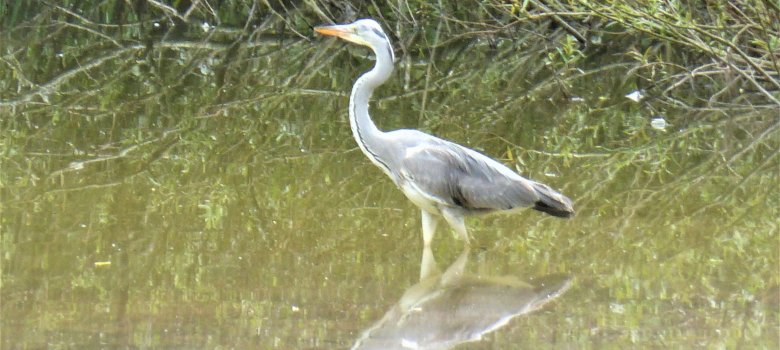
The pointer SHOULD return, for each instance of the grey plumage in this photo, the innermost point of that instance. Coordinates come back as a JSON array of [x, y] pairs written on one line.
[[444, 179]]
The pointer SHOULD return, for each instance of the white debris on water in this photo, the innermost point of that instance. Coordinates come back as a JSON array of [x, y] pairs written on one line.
[[636, 96], [658, 123]]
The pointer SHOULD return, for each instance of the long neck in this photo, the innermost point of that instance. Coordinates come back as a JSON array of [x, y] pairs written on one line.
[[367, 135]]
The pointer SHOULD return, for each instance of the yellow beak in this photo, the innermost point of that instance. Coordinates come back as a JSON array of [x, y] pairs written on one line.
[[337, 31], [344, 31]]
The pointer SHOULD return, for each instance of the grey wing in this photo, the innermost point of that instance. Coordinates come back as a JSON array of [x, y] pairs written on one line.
[[456, 176]]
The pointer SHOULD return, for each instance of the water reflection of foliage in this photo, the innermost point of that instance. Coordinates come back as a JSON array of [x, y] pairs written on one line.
[[147, 112]]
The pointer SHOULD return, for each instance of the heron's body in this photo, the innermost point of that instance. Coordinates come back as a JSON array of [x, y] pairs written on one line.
[[444, 179]]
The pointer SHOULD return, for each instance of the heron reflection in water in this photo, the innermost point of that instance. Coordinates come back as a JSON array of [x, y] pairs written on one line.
[[444, 179], [454, 307]]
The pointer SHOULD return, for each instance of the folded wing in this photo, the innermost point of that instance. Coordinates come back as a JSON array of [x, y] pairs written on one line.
[[456, 176]]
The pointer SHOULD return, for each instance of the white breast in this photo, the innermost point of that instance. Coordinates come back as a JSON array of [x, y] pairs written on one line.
[[420, 198]]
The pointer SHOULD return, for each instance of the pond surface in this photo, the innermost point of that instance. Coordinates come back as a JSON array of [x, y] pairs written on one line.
[[192, 194]]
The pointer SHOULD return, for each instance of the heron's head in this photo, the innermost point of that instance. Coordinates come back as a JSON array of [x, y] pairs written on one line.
[[366, 32]]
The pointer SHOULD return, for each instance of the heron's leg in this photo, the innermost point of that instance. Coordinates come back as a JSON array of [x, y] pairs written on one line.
[[428, 265], [429, 223], [456, 221]]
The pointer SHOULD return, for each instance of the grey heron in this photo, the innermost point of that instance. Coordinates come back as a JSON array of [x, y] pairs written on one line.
[[444, 179]]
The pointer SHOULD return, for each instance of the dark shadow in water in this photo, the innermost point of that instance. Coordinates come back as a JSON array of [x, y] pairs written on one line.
[[453, 307]]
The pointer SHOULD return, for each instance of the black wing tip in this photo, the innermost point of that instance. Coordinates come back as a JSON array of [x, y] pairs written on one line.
[[557, 212]]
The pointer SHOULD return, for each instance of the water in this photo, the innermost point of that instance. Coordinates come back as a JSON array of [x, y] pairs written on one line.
[[197, 197]]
